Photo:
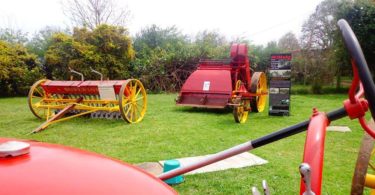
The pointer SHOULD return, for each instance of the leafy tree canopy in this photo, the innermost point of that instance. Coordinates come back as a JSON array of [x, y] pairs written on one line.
[[107, 49], [18, 69]]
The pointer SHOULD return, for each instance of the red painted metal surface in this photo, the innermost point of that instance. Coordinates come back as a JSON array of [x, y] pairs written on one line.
[[314, 150], [207, 88], [212, 84], [79, 87], [54, 169], [356, 106]]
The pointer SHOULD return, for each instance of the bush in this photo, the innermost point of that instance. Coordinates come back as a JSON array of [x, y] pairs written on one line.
[[18, 69], [107, 49]]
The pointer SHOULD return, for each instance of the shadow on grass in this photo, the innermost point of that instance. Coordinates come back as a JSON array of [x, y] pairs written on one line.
[[203, 110]]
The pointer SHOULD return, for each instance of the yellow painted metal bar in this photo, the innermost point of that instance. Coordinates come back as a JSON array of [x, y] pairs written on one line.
[[80, 106], [56, 117], [70, 117], [48, 111], [370, 181]]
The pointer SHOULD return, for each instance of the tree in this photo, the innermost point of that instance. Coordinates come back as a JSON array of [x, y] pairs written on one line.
[[212, 45], [41, 40], [18, 69], [264, 54], [360, 15], [164, 58], [13, 36], [318, 36], [318, 31], [289, 43], [106, 48], [322, 41], [93, 13]]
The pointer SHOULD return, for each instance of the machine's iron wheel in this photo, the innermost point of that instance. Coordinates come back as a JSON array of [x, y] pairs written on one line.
[[363, 162], [241, 111], [35, 99], [132, 101], [258, 85]]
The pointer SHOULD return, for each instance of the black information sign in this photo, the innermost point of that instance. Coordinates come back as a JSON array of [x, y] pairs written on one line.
[[279, 91]]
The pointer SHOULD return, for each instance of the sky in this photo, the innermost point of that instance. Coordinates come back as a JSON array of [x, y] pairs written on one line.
[[260, 21]]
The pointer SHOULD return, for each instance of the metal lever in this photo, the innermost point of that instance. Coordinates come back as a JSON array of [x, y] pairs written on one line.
[[97, 72], [266, 190], [80, 74], [305, 171]]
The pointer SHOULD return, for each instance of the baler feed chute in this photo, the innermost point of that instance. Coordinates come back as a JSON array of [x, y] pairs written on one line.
[[228, 82], [111, 99]]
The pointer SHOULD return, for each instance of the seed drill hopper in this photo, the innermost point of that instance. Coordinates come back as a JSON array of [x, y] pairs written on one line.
[[228, 82], [112, 99]]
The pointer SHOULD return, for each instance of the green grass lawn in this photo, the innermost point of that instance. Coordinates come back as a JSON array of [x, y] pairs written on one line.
[[169, 132]]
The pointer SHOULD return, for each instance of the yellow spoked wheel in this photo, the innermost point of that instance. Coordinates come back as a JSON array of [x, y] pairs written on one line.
[[361, 177], [133, 101], [258, 86], [35, 100], [240, 111]]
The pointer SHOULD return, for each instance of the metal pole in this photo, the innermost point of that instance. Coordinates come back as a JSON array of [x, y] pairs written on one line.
[[97, 72], [249, 145]]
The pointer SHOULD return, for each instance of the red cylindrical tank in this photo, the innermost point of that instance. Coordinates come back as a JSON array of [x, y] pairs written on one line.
[[54, 169]]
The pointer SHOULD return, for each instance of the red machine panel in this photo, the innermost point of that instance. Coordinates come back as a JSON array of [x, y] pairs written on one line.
[[54, 169], [207, 88], [79, 87]]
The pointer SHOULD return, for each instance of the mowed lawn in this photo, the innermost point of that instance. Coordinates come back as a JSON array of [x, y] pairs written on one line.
[[169, 132]]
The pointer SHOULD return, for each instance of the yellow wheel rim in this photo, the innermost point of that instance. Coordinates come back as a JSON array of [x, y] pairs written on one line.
[[238, 85], [259, 86], [35, 100], [240, 112], [133, 101], [262, 88]]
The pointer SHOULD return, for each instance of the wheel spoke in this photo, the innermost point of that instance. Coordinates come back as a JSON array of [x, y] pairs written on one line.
[[135, 87], [140, 98], [131, 113], [131, 88], [128, 109], [136, 95], [126, 104], [40, 93]]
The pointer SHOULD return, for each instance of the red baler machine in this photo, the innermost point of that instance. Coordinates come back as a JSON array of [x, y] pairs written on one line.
[[228, 82]]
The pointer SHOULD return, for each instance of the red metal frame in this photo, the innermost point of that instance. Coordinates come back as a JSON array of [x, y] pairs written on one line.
[[314, 150], [356, 107]]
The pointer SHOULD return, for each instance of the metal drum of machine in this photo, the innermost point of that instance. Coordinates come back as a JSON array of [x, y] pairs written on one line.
[[32, 167], [112, 99], [228, 82]]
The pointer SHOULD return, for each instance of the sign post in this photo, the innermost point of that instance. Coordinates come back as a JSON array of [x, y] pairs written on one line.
[[280, 84]]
